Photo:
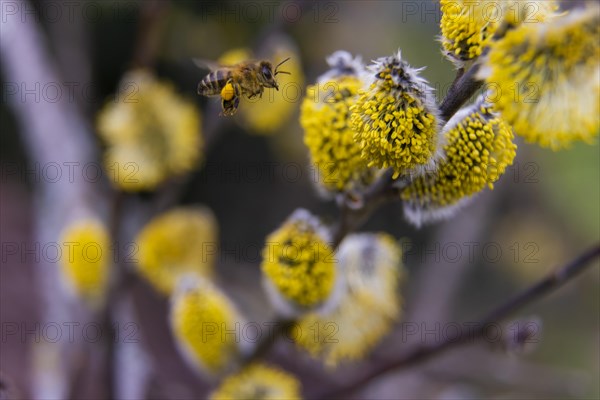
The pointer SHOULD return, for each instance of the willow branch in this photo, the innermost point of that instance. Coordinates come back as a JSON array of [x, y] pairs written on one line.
[[147, 42], [54, 132], [355, 211], [7, 389], [420, 354], [115, 292], [280, 328], [152, 16], [461, 90]]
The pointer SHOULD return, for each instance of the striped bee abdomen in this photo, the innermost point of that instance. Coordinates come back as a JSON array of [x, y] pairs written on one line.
[[212, 83]]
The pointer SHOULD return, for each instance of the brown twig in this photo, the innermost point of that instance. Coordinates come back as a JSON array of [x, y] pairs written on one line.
[[420, 354], [355, 212], [280, 328], [113, 295], [148, 35], [8, 391], [147, 41], [461, 90]]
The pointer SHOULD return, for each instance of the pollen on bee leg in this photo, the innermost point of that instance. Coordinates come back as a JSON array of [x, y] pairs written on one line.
[[227, 92]]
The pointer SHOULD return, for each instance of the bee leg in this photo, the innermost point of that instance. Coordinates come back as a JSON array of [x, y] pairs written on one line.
[[230, 104], [257, 92]]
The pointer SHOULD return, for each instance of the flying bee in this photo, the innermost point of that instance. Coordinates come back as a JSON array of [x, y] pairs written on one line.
[[248, 78]]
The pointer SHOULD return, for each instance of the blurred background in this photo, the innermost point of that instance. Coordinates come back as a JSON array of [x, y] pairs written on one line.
[[542, 213]]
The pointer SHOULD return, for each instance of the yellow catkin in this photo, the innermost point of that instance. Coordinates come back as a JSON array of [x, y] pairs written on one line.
[[151, 133], [371, 265], [299, 262], [329, 136], [258, 382], [546, 79], [86, 259], [202, 319], [479, 146], [468, 26], [179, 242], [395, 118]]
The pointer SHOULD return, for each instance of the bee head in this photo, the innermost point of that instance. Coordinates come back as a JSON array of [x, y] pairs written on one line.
[[268, 75]]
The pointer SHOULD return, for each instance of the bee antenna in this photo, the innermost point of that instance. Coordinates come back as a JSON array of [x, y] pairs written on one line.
[[277, 66]]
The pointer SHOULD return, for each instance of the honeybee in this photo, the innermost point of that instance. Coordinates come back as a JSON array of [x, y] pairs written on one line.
[[248, 78]]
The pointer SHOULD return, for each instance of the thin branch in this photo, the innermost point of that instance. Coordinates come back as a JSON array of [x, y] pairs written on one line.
[[280, 328], [53, 132], [113, 295], [355, 212], [152, 17], [461, 90], [420, 354], [544, 286], [7, 388]]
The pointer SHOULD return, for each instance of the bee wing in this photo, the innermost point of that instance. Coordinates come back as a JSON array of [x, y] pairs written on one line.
[[205, 64]]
